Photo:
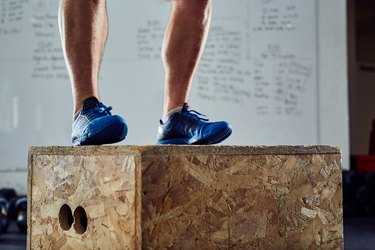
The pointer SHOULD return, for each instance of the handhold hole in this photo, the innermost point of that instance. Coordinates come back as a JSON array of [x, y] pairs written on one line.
[[65, 217], [80, 220]]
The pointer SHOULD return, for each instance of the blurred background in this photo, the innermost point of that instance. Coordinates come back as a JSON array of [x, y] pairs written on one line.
[[280, 71]]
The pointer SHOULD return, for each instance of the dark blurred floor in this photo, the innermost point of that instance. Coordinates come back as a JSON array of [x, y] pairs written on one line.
[[13, 239], [359, 234]]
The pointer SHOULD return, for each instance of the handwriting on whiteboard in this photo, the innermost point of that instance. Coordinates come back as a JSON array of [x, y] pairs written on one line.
[[242, 62], [12, 13], [149, 40], [47, 54]]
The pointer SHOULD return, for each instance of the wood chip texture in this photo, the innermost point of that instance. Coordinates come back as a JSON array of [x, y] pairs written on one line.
[[187, 197]]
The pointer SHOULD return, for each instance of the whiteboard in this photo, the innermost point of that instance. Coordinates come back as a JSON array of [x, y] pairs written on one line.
[[258, 71]]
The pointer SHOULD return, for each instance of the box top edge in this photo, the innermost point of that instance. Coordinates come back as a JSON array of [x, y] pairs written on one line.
[[184, 149]]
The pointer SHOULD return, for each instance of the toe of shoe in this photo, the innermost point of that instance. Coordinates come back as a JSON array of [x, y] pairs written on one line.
[[218, 127], [217, 132], [107, 129]]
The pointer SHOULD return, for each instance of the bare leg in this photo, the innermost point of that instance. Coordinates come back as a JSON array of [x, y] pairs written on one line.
[[183, 45], [84, 30]]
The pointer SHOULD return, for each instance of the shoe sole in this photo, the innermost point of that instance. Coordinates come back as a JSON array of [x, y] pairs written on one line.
[[219, 138], [188, 141], [102, 136]]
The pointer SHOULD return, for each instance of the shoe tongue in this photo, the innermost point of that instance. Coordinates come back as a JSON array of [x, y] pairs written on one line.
[[185, 107], [90, 102]]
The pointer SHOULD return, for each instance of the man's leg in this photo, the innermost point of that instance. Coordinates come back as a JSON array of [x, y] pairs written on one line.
[[84, 30], [183, 45]]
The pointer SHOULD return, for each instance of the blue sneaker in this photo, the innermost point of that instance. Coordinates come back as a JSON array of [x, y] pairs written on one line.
[[95, 125], [191, 127]]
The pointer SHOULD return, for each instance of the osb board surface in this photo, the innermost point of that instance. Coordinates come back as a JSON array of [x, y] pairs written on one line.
[[185, 150], [105, 186], [242, 202], [189, 201]]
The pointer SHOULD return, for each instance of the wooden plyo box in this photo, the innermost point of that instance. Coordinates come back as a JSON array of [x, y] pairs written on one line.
[[185, 197]]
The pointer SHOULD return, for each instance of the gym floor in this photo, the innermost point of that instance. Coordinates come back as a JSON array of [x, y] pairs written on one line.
[[359, 234], [13, 239]]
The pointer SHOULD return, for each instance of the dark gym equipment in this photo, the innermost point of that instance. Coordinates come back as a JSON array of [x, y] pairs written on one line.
[[363, 195], [15, 209], [348, 191], [4, 221], [369, 210], [354, 179], [21, 210], [370, 181], [11, 209], [12, 212], [8, 193], [359, 194], [351, 209]]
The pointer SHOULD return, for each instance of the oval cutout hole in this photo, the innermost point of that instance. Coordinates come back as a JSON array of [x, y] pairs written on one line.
[[80, 220], [65, 217]]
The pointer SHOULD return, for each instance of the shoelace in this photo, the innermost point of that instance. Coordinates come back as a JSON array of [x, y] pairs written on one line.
[[99, 112], [196, 115], [106, 109]]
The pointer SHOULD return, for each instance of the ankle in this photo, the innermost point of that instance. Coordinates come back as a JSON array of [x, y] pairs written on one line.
[[170, 113], [172, 106], [80, 100], [85, 104]]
